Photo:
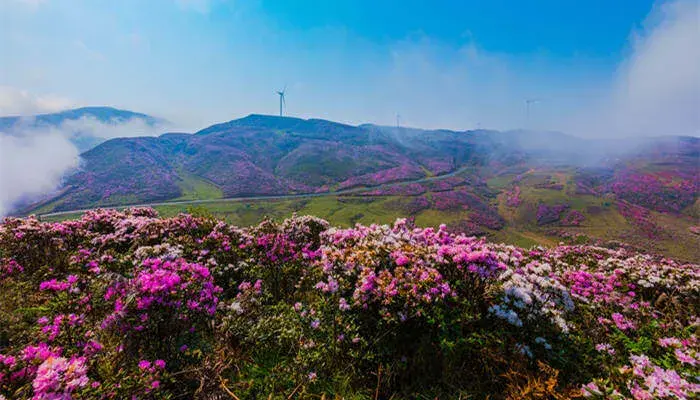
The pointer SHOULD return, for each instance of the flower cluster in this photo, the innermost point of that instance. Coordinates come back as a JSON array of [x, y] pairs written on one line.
[[130, 305], [183, 291]]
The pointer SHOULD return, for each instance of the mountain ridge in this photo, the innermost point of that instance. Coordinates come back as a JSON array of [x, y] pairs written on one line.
[[513, 185]]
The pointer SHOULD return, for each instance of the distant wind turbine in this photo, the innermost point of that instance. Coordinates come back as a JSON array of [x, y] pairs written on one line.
[[398, 120], [528, 102], [282, 101]]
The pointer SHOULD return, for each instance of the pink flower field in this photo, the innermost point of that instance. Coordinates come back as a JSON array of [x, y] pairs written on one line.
[[128, 305]]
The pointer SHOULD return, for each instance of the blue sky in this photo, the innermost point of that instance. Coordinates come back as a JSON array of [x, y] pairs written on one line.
[[453, 64]]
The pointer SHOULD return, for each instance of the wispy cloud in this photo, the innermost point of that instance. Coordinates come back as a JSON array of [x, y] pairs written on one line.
[[15, 101], [656, 90], [90, 52], [90, 126], [659, 84]]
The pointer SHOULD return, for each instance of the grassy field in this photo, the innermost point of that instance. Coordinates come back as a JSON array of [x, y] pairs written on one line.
[[196, 188], [603, 222]]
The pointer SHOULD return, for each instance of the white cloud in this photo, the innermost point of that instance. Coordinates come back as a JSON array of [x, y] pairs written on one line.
[[15, 101], [90, 126], [657, 88], [33, 165]]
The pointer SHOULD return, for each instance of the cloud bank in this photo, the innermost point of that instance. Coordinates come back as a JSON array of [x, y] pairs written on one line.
[[32, 166]]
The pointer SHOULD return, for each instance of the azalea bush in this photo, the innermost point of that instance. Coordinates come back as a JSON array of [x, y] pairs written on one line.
[[130, 305]]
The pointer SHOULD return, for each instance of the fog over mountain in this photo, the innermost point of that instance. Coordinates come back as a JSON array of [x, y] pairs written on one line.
[[39, 150]]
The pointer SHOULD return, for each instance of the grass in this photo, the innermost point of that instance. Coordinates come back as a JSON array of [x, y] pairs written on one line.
[[196, 188], [500, 182], [525, 239]]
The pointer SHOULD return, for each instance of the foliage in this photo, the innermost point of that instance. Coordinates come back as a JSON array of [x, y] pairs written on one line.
[[131, 305]]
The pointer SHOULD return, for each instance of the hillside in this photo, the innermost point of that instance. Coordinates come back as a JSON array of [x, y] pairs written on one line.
[[131, 305], [260, 155], [521, 187]]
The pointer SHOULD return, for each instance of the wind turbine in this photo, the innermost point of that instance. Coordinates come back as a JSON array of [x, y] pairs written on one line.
[[527, 109], [282, 102]]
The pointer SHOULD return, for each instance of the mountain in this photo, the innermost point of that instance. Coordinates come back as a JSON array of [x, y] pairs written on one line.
[[268, 155], [520, 186], [81, 125]]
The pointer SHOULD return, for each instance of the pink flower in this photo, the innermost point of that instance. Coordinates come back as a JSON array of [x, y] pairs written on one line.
[[605, 347], [684, 358], [622, 323], [57, 377], [669, 341], [590, 389], [9, 361]]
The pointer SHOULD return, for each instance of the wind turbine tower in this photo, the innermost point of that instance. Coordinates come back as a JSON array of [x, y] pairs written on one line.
[[282, 101], [528, 102]]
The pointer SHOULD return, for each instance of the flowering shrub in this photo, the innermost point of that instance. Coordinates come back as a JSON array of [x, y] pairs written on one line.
[[130, 305], [165, 304], [573, 218], [547, 214], [639, 217], [656, 191], [513, 197], [402, 172]]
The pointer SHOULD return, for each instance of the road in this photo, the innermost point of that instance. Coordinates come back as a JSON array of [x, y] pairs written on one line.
[[271, 197]]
